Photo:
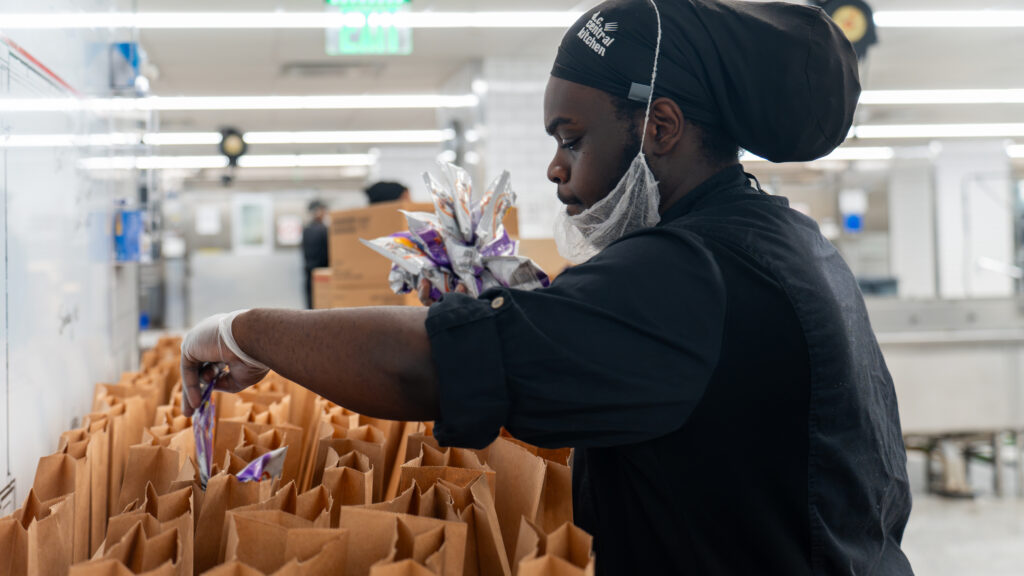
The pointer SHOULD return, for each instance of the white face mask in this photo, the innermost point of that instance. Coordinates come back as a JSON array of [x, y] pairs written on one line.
[[632, 205]]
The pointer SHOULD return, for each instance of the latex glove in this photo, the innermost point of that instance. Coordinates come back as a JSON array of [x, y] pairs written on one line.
[[212, 341]]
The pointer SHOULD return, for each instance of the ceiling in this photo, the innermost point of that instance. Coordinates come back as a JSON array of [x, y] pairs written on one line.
[[293, 62]]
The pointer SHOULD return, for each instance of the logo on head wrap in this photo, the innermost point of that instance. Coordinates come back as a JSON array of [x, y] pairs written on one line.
[[595, 33]]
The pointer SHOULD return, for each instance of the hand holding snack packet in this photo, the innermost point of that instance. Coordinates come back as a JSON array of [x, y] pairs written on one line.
[[462, 244]]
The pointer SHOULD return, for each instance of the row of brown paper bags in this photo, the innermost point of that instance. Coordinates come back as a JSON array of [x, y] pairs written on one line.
[[511, 500]]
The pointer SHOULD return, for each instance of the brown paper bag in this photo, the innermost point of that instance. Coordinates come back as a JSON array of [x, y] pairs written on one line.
[[552, 566], [127, 419], [315, 552], [385, 536], [407, 450], [112, 567], [13, 547], [314, 505], [98, 454], [113, 394], [231, 434], [59, 475], [143, 553], [223, 493], [435, 502], [176, 509], [233, 569], [49, 534], [568, 543], [401, 568], [454, 465], [349, 478], [556, 455], [144, 465], [268, 540], [531, 487], [366, 440]]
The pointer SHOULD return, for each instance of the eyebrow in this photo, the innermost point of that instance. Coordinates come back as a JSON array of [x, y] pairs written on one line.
[[554, 124]]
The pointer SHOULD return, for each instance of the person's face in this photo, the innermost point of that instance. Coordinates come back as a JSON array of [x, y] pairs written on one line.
[[595, 146], [318, 214]]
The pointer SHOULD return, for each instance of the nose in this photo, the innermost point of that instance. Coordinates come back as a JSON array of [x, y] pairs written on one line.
[[557, 172]]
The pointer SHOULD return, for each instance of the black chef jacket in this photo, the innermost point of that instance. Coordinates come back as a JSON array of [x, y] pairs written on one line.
[[720, 381]]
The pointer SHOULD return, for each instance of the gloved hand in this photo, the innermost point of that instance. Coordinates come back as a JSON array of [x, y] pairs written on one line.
[[212, 341]]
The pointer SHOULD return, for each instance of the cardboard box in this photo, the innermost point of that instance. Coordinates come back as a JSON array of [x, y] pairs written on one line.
[[322, 288], [544, 252], [355, 297], [356, 265]]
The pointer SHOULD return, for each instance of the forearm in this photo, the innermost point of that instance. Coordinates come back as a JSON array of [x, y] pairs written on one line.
[[375, 361]]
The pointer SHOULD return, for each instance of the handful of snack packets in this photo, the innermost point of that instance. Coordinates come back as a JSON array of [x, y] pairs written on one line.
[[464, 241], [270, 464]]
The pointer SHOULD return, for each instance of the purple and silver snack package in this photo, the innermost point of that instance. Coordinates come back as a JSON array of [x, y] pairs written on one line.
[[270, 465], [464, 242]]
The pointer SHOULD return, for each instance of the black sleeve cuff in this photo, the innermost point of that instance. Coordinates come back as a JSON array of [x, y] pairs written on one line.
[[467, 353]]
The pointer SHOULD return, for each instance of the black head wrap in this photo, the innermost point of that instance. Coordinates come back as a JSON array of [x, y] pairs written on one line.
[[781, 79]]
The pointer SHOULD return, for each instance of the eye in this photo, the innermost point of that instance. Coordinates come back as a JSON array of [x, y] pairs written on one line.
[[570, 145]]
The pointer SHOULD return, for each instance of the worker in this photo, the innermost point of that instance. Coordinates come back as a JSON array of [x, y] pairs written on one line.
[[314, 247], [710, 359]]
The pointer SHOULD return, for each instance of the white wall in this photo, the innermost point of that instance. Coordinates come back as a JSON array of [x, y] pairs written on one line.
[[70, 315], [912, 236]]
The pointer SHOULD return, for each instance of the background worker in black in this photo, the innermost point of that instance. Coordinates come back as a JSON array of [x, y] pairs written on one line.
[[716, 373], [314, 247]]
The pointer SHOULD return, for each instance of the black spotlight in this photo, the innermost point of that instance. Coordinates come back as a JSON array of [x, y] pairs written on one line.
[[232, 145]]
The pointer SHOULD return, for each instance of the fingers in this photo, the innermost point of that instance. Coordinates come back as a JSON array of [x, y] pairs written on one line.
[[190, 392], [423, 292]]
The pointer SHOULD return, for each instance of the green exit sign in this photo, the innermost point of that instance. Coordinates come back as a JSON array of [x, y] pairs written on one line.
[[370, 28]]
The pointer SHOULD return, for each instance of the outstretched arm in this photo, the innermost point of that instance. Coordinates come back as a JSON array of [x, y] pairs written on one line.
[[375, 361]]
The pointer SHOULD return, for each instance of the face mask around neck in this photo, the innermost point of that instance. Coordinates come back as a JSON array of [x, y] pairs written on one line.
[[632, 205]]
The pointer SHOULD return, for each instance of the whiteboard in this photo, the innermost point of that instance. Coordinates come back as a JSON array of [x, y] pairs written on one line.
[[69, 315]]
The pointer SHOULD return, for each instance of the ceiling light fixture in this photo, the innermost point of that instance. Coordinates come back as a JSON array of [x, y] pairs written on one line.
[[922, 97], [937, 131], [193, 103], [532, 20], [203, 162]]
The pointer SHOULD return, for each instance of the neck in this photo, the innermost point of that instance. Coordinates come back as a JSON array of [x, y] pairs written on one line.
[[674, 187]]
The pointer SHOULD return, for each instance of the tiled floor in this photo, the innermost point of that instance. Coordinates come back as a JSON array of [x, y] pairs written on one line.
[[979, 537]]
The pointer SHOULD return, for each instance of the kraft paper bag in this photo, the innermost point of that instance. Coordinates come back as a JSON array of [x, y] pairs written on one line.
[[59, 475], [144, 465], [328, 421], [401, 568], [364, 439], [112, 394], [269, 540], [314, 505], [223, 493], [98, 454], [383, 536], [454, 465], [393, 435], [123, 525], [233, 569], [175, 433], [231, 434], [111, 567], [142, 553], [13, 547], [552, 566], [568, 543], [315, 552], [531, 487], [349, 478], [176, 509], [126, 420], [406, 451], [435, 502], [49, 534], [556, 455]]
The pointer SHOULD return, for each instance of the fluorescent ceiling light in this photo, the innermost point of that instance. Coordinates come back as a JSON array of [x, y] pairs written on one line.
[[949, 18], [201, 162], [842, 154], [182, 138], [352, 137], [898, 131], [921, 97], [293, 20], [511, 19], [181, 103]]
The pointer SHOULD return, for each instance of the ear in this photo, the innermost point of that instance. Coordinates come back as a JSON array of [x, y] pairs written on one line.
[[665, 128]]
